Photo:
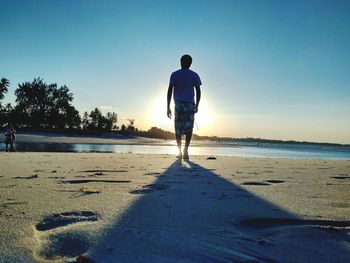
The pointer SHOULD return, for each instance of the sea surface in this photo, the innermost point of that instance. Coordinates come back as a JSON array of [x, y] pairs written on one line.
[[300, 151]]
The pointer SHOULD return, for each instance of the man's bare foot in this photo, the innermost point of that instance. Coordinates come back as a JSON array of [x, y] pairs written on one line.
[[179, 156], [186, 157]]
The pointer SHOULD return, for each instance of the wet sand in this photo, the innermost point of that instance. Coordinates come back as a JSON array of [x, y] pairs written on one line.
[[55, 207], [45, 137]]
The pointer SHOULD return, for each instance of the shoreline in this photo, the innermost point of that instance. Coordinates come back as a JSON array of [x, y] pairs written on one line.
[[53, 143], [118, 138], [41, 137], [44, 137], [132, 207]]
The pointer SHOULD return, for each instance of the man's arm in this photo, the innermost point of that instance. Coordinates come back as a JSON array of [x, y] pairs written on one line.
[[198, 98], [170, 93]]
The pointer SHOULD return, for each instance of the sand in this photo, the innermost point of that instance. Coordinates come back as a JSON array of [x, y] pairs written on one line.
[[113, 207]]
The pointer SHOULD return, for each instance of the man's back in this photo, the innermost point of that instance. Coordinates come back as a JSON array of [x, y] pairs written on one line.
[[184, 81]]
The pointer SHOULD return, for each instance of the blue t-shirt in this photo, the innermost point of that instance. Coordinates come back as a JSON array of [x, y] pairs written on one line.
[[184, 81]]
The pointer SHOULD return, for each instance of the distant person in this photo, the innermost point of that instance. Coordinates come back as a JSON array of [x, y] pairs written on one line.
[[10, 136], [184, 81]]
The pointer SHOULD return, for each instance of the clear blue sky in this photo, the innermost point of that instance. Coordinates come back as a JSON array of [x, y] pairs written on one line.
[[272, 69]]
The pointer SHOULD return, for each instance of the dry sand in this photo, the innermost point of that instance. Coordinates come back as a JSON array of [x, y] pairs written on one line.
[[152, 208]]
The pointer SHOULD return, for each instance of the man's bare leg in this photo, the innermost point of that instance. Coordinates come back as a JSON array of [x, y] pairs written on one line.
[[178, 141], [187, 144], [12, 147]]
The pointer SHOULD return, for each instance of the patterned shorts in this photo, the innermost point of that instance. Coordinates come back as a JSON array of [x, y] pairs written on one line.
[[184, 117]]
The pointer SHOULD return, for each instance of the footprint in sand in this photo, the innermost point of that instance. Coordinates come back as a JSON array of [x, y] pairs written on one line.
[[150, 188], [265, 183], [84, 181], [274, 181], [105, 171], [255, 183], [153, 173], [341, 177], [27, 177], [59, 238], [266, 223]]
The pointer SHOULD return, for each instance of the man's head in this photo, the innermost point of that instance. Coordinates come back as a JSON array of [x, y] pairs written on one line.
[[186, 61]]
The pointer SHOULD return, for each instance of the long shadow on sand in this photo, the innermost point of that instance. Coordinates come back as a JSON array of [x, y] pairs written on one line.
[[191, 214]]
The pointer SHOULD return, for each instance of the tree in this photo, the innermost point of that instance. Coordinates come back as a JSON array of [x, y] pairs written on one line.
[[123, 129], [111, 120], [97, 122], [7, 114], [4, 84], [131, 128], [85, 121], [33, 102], [40, 105], [96, 119], [73, 119], [61, 113]]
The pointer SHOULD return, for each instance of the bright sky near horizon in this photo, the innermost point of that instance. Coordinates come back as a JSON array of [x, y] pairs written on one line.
[[270, 69]]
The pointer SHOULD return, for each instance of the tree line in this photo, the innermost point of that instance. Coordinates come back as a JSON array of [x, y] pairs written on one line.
[[43, 106], [48, 107]]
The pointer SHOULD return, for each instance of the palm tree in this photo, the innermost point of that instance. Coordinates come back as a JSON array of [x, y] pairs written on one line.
[[4, 83]]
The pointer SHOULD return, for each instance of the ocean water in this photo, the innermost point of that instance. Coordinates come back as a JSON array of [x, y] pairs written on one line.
[[266, 150]]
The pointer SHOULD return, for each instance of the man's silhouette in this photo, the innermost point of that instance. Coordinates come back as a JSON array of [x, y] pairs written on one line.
[[184, 81], [10, 136]]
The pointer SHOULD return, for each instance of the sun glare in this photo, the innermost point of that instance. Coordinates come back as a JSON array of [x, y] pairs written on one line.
[[158, 114], [203, 119]]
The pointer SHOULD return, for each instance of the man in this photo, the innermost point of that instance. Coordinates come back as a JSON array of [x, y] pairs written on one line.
[[10, 136], [184, 81]]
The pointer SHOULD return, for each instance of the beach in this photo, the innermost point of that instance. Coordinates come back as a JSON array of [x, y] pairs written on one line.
[[114, 207], [97, 98]]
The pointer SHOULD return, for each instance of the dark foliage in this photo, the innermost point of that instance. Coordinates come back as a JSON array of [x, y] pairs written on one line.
[[4, 83], [95, 121], [158, 133], [41, 105]]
